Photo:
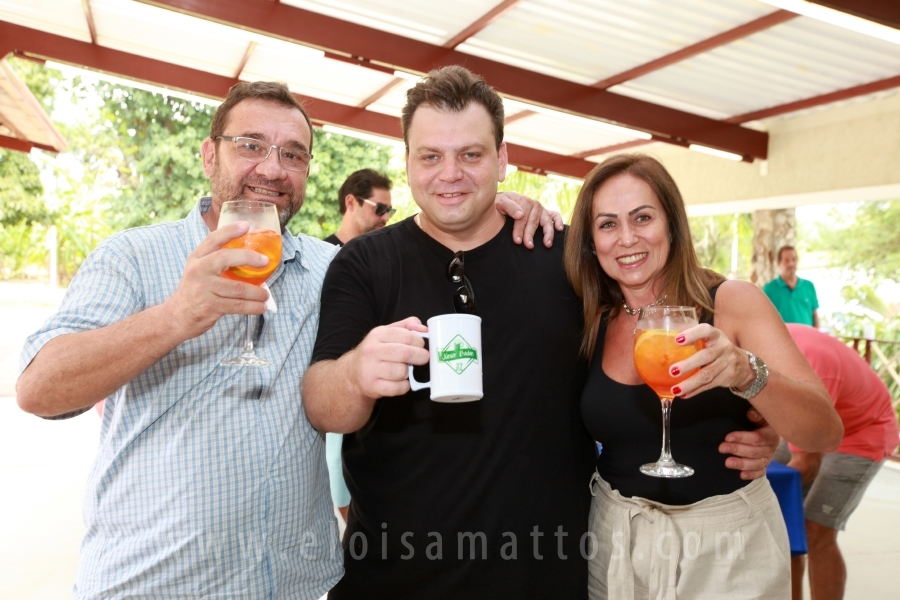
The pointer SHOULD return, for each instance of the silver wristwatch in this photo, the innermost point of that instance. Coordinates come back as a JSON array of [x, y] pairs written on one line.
[[762, 377]]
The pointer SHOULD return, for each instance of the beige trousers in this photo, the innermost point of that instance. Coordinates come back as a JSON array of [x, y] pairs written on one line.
[[732, 546]]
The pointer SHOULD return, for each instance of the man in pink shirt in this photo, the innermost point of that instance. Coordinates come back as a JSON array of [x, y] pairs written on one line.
[[834, 483]]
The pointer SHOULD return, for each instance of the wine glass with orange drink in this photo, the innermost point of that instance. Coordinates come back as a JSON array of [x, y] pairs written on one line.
[[264, 236], [655, 351]]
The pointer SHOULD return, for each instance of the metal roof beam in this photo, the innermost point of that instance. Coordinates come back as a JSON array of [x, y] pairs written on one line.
[[852, 92], [886, 12], [328, 33], [480, 23], [25, 146], [89, 19], [106, 60], [726, 37]]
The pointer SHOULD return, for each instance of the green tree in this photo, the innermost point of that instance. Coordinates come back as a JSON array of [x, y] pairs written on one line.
[[22, 207], [20, 190], [866, 246], [159, 137], [713, 238], [555, 194]]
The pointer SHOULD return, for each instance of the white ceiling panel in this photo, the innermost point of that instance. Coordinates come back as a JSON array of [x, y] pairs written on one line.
[[799, 59], [392, 103], [559, 132], [169, 36], [587, 41], [332, 80], [59, 17], [430, 22]]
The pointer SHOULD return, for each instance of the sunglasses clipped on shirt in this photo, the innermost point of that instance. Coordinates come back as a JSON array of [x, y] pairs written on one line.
[[381, 209], [464, 297]]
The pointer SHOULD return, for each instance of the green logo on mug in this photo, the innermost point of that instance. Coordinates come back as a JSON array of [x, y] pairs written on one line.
[[458, 354]]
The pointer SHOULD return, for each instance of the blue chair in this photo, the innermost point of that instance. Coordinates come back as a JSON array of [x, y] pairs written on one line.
[[785, 482]]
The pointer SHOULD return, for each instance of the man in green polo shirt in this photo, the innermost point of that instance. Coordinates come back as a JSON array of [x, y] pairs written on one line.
[[794, 298]]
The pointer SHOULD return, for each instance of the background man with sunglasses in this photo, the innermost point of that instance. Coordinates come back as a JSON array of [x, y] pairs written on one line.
[[365, 202], [485, 499]]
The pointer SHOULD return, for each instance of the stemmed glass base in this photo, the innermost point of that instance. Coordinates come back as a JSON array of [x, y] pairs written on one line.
[[666, 465], [248, 357], [669, 469]]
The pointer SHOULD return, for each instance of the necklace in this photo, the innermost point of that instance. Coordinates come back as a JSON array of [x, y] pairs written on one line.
[[634, 311]]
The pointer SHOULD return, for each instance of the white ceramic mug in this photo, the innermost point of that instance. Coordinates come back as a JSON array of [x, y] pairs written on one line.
[[454, 358]]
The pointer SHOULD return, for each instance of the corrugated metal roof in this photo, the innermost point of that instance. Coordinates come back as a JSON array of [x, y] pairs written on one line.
[[585, 41], [61, 17], [21, 115], [798, 59], [431, 22]]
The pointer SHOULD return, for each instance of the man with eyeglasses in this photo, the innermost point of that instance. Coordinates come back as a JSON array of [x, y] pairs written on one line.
[[365, 204], [485, 499], [209, 480]]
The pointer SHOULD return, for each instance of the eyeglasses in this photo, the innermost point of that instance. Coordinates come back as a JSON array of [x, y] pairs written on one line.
[[464, 298], [381, 209], [292, 159]]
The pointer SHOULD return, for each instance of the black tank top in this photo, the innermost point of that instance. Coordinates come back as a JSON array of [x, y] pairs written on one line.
[[627, 421]]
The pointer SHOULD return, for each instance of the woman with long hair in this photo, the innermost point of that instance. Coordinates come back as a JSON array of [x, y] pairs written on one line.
[[712, 534]]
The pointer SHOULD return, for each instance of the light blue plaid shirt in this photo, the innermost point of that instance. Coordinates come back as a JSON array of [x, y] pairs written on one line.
[[209, 480]]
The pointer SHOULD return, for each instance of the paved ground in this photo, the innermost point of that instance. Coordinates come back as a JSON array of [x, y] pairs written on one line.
[[44, 464]]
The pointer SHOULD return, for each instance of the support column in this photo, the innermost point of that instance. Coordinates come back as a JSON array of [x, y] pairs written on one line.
[[772, 229]]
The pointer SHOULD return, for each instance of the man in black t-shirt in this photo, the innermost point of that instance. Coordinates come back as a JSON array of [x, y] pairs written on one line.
[[487, 499]]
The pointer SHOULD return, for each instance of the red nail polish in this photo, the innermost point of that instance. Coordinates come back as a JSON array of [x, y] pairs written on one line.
[[679, 339], [675, 371], [676, 390]]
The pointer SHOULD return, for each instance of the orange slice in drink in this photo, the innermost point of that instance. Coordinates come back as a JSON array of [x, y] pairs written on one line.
[[655, 351], [264, 241]]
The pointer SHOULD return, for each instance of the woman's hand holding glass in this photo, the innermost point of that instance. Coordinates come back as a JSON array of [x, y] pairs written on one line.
[[720, 363], [656, 344]]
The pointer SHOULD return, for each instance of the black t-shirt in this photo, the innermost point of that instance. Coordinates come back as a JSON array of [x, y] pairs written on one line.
[[512, 467], [333, 239], [627, 420]]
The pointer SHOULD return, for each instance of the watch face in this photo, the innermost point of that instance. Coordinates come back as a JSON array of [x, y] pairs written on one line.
[[762, 371], [762, 377]]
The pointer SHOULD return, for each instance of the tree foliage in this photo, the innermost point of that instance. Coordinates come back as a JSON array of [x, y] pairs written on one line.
[[160, 172], [554, 194], [21, 190], [867, 245], [713, 238]]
